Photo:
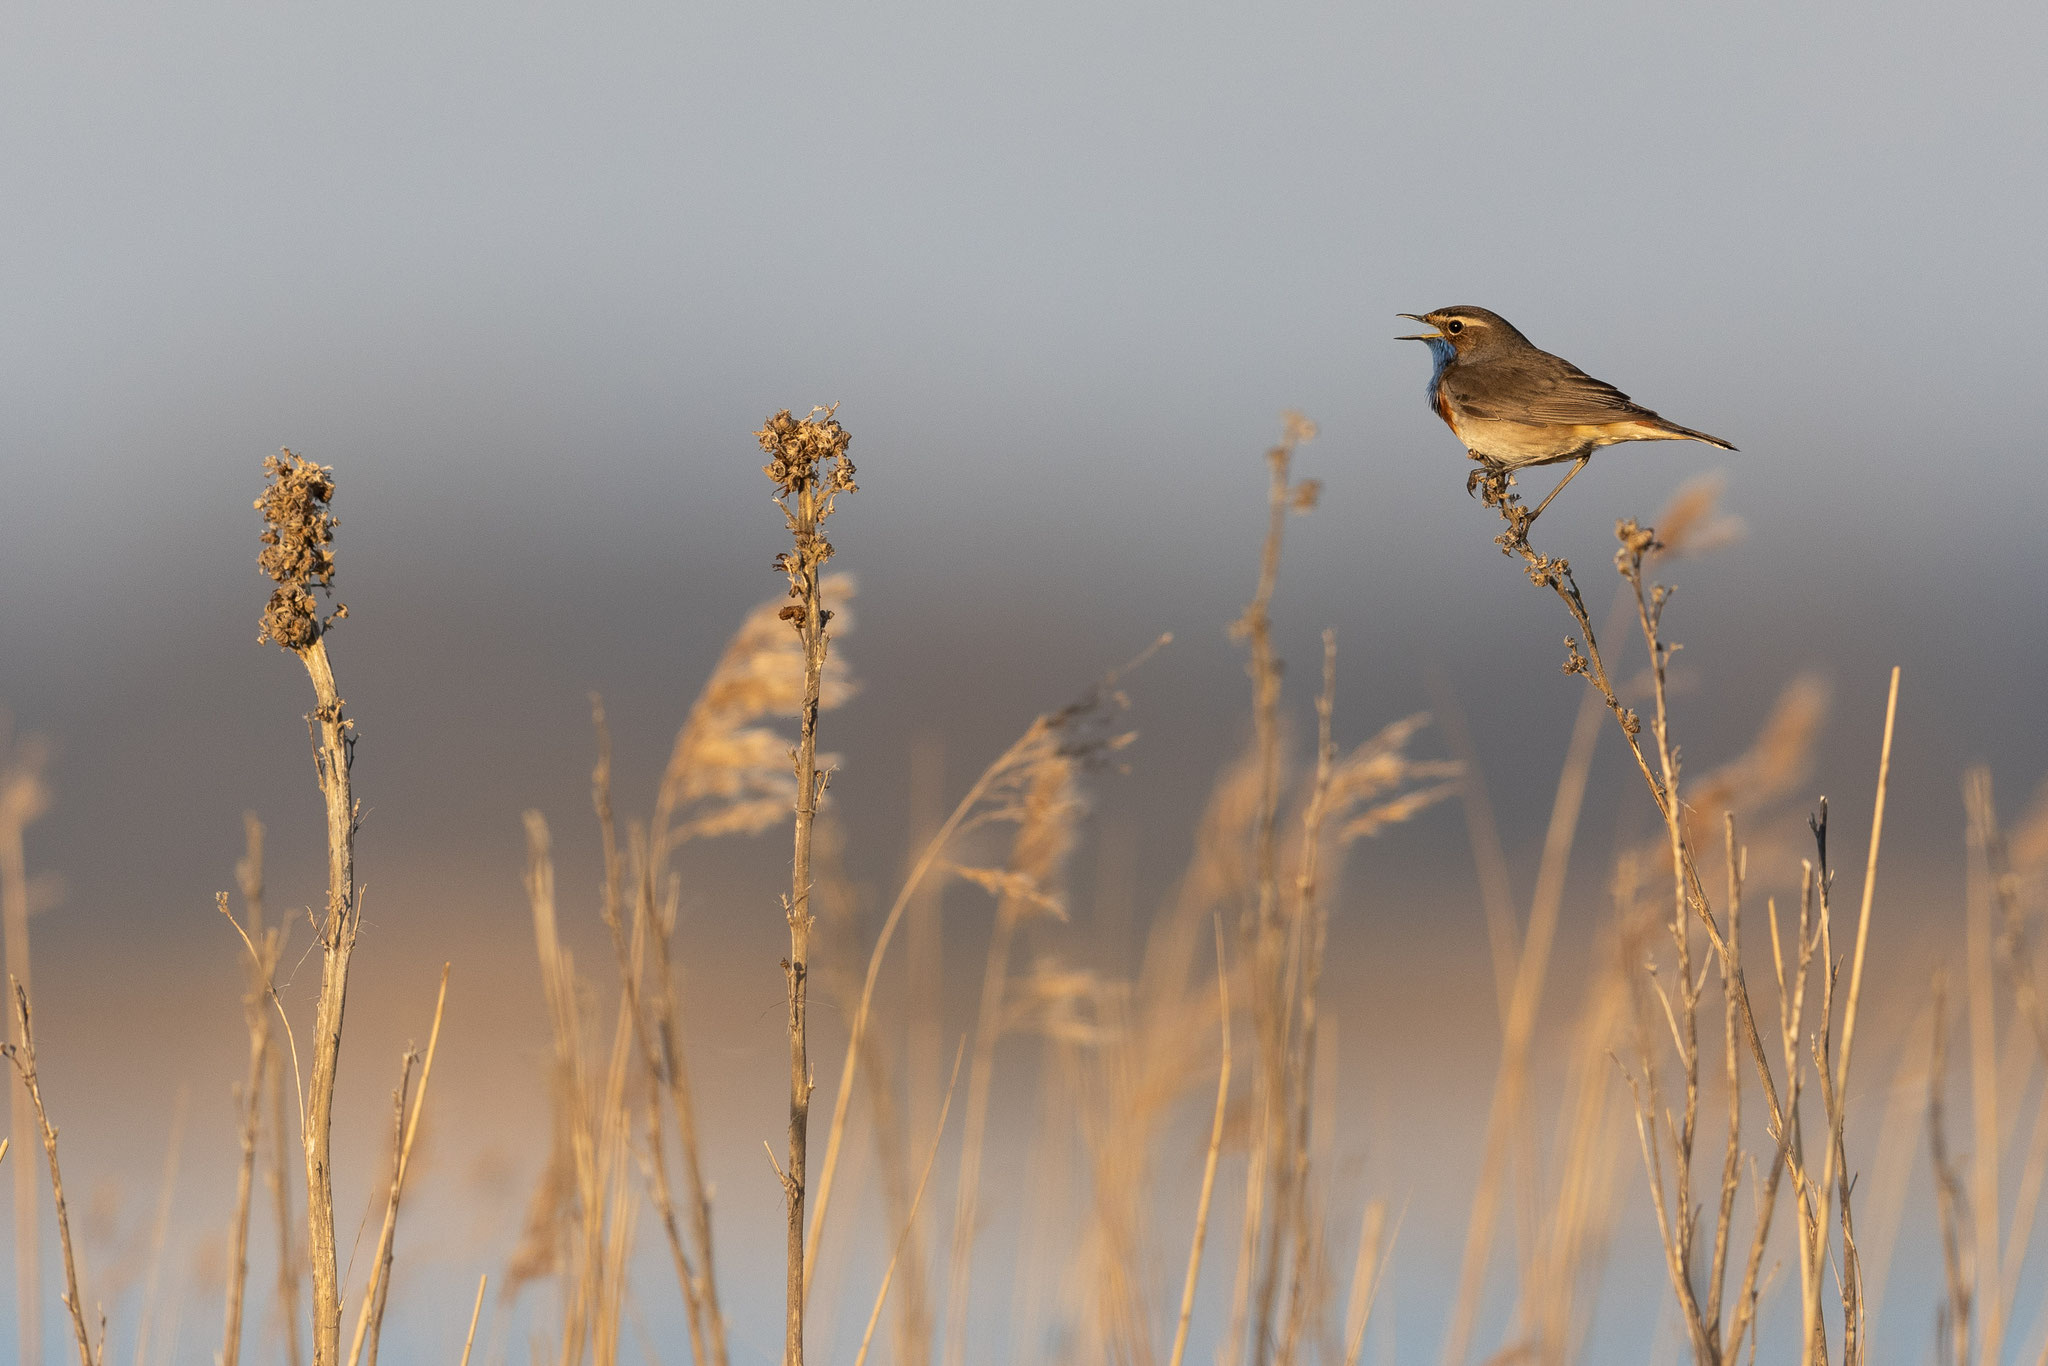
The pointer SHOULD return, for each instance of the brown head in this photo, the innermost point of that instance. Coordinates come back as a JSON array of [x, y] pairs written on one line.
[[1465, 329]]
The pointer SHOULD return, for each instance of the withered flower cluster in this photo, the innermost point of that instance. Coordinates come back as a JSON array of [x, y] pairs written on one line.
[[807, 462], [298, 539]]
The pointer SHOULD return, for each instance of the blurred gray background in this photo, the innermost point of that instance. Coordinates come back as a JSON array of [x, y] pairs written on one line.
[[528, 277]]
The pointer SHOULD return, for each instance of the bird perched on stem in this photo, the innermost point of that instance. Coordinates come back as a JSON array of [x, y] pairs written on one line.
[[1514, 405]]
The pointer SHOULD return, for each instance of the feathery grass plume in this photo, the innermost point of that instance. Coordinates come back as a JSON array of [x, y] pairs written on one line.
[[1076, 739], [298, 536], [1692, 522], [24, 797], [808, 466], [1039, 794], [728, 773]]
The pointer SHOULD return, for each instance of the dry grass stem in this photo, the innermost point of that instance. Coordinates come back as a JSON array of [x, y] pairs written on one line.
[[24, 798], [370, 1321], [267, 945], [1187, 1294], [23, 1056], [648, 978], [910, 1218], [159, 1234], [1367, 1270], [475, 1312]]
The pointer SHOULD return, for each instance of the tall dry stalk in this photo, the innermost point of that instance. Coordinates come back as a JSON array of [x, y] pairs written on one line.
[[278, 1179], [1690, 523], [808, 466], [297, 539], [580, 1224], [1279, 1287], [1985, 1216], [1714, 1327], [23, 1056], [1269, 1174], [1201, 1234], [24, 797], [267, 947], [728, 773]]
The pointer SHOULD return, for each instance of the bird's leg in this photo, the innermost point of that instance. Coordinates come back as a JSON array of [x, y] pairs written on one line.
[[1560, 487]]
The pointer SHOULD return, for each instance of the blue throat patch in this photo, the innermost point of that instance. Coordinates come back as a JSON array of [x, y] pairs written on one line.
[[1442, 352]]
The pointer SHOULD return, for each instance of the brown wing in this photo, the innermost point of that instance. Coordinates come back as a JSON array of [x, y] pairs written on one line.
[[1537, 388]]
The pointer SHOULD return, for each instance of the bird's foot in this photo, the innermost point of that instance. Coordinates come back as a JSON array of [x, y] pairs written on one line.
[[1490, 483]]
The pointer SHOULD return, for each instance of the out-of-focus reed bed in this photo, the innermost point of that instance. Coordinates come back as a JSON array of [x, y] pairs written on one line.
[[1182, 1189]]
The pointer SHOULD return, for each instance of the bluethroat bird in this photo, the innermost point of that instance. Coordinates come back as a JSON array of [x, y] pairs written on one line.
[[1515, 406]]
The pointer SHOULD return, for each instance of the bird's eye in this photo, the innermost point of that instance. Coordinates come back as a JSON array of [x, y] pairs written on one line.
[[1454, 326]]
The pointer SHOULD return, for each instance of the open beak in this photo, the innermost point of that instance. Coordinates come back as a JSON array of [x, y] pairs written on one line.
[[1422, 336]]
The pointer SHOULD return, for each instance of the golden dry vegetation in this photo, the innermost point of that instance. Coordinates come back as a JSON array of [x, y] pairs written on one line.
[[1707, 1053]]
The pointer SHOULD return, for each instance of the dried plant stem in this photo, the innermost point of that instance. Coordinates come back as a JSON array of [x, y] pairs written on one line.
[[1980, 1005], [1187, 1294], [475, 1312], [23, 798], [23, 1056], [279, 1181], [1884, 770], [261, 969], [1271, 935], [333, 754], [160, 1231], [987, 1029], [809, 468], [1366, 1272], [1556, 574], [370, 1321], [1952, 1211], [863, 1013], [810, 785], [910, 1219]]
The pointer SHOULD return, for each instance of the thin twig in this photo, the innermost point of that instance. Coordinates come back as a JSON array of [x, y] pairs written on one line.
[[910, 1220], [23, 1056], [475, 1312], [371, 1320], [1187, 1294]]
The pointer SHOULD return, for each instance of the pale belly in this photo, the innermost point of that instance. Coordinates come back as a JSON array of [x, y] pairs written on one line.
[[1522, 443], [1519, 443]]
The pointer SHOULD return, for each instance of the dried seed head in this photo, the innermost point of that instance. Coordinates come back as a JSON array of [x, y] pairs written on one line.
[[298, 539], [797, 448], [1636, 541], [1296, 429]]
